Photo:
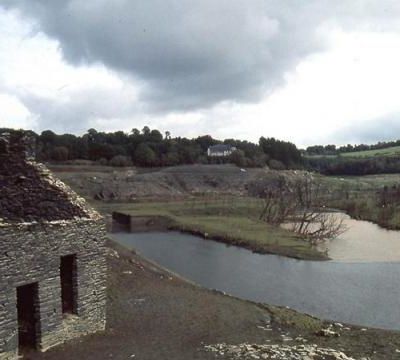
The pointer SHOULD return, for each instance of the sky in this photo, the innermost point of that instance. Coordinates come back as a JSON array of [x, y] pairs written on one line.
[[305, 71]]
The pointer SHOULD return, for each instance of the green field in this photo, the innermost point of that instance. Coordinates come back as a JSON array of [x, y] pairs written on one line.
[[390, 151], [359, 196], [360, 183], [230, 220]]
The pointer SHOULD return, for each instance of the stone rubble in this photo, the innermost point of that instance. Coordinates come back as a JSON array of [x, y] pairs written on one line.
[[29, 192], [328, 332], [278, 352]]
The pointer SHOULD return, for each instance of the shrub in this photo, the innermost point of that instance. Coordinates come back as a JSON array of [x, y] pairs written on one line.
[[120, 160], [103, 162], [276, 165]]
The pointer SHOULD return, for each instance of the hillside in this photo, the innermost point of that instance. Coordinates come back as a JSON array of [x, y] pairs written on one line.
[[389, 151], [129, 184]]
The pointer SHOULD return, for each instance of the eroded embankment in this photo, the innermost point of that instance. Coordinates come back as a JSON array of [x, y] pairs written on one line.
[[166, 183]]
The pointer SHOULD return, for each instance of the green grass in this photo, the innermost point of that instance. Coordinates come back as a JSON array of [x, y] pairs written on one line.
[[390, 151], [360, 183], [250, 233], [359, 197], [320, 156], [212, 205], [230, 220], [286, 316]]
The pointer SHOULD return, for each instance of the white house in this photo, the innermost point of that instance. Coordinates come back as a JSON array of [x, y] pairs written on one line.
[[220, 150]]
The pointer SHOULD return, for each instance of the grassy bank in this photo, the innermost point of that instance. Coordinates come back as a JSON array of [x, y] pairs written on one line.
[[366, 208], [249, 233], [229, 220], [359, 197]]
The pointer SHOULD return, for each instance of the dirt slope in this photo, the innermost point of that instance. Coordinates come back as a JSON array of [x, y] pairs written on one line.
[[172, 182], [152, 314]]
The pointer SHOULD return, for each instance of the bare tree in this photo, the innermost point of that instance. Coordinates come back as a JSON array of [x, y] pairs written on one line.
[[276, 205], [312, 220], [318, 226], [299, 203]]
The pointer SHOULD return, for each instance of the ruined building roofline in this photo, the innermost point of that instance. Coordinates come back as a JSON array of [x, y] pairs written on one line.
[[72, 196], [29, 192], [18, 142], [4, 223]]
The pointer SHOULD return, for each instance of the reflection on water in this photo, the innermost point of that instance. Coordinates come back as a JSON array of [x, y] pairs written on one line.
[[364, 242], [366, 293]]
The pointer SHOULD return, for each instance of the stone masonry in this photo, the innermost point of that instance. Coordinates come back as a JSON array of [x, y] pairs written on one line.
[[36, 231]]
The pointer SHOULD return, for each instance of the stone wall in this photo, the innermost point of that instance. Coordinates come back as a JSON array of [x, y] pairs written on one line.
[[140, 223], [31, 253], [121, 221]]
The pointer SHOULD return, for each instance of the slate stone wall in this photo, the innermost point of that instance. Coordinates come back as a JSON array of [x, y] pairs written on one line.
[[31, 253]]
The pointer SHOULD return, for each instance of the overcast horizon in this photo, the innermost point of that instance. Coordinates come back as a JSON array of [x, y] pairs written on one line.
[[309, 72]]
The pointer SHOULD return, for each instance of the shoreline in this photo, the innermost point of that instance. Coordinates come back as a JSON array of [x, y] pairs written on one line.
[[262, 250], [154, 314], [161, 223]]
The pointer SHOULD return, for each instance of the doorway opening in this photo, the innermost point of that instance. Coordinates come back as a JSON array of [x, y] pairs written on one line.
[[28, 317], [68, 275]]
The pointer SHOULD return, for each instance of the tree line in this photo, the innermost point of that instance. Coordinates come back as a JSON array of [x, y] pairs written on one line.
[[150, 148], [326, 150], [354, 166]]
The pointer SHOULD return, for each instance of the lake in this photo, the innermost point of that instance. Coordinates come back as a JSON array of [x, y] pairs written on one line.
[[364, 241], [361, 286]]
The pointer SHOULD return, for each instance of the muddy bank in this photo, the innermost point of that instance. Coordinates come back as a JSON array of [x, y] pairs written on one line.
[[152, 314]]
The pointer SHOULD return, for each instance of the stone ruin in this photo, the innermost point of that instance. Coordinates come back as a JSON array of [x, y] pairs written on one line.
[[52, 256]]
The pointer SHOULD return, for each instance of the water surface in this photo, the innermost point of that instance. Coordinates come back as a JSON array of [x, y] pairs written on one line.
[[364, 241], [366, 294]]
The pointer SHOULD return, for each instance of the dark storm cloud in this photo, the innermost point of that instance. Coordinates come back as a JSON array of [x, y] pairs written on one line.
[[189, 54], [186, 54], [385, 128]]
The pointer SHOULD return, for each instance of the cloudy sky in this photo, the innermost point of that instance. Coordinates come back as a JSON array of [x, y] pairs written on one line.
[[307, 71]]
